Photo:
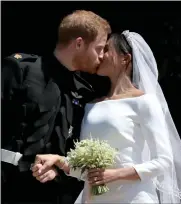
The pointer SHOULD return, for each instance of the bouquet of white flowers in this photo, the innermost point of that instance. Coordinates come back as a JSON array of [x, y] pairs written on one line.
[[89, 154]]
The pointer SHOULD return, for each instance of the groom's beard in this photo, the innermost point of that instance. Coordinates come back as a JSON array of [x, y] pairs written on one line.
[[85, 64]]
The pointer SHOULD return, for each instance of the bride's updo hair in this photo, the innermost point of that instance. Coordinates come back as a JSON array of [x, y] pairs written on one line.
[[121, 45]]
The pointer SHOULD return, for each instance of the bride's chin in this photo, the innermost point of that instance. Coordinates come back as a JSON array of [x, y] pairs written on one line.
[[99, 72]]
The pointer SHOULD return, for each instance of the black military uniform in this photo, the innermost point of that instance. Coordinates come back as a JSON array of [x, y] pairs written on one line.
[[42, 109]]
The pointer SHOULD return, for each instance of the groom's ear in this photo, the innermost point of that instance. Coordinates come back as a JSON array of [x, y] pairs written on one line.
[[79, 43]]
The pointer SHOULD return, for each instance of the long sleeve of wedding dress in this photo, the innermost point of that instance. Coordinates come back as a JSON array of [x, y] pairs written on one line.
[[154, 132], [77, 174]]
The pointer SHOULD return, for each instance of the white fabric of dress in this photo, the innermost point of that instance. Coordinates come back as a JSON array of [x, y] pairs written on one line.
[[130, 125]]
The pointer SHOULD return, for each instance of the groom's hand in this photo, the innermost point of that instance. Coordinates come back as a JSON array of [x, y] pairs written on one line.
[[45, 176], [43, 168]]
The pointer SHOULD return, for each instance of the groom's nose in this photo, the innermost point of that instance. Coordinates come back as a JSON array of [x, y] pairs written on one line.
[[101, 56]]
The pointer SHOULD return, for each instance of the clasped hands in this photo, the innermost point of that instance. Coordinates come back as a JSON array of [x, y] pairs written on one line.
[[44, 170]]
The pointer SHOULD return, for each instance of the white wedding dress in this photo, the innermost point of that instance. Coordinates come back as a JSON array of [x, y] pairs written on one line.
[[130, 125]]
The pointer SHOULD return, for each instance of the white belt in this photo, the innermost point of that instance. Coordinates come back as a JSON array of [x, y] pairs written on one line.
[[10, 157]]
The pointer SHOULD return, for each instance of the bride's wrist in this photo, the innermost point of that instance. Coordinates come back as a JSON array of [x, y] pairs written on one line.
[[62, 164], [60, 160]]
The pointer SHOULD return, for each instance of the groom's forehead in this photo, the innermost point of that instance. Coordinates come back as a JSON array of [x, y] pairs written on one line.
[[100, 40]]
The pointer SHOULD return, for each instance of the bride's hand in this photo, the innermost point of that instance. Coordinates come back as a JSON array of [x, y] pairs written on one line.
[[102, 176], [47, 176], [48, 161]]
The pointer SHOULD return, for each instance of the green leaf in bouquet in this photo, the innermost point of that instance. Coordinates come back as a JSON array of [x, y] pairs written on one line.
[[92, 153]]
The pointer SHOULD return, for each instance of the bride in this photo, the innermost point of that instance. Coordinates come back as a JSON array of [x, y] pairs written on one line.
[[134, 118]]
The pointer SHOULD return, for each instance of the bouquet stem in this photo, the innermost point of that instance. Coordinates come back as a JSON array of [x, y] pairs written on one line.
[[98, 190]]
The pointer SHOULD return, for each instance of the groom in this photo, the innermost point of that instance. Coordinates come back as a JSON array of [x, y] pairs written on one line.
[[46, 97]]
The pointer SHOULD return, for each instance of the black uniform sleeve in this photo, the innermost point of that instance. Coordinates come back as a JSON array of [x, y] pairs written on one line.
[[9, 72], [11, 75], [11, 96]]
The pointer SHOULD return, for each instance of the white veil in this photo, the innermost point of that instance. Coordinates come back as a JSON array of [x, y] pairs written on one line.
[[145, 77]]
